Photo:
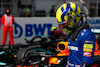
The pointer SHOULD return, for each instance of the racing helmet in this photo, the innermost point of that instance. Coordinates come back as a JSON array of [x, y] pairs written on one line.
[[68, 16], [8, 12]]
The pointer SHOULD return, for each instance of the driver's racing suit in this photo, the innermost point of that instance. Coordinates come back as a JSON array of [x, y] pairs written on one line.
[[81, 48]]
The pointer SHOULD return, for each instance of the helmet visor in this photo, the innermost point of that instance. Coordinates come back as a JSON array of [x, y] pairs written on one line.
[[65, 23]]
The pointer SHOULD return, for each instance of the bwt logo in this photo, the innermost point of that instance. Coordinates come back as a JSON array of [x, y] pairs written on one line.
[[27, 30]]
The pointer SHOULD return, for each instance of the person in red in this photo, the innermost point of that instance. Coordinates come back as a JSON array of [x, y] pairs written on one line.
[[7, 21]]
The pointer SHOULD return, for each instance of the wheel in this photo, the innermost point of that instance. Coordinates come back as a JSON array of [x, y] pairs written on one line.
[[24, 52]]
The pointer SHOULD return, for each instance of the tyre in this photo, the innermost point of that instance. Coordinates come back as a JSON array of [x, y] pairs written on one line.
[[24, 52]]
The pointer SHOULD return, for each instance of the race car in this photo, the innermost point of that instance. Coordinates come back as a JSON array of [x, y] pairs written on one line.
[[41, 57], [42, 50]]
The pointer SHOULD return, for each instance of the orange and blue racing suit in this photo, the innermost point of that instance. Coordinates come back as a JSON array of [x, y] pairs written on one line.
[[81, 47]]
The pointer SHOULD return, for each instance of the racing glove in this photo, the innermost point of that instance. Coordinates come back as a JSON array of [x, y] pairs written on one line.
[[84, 65]]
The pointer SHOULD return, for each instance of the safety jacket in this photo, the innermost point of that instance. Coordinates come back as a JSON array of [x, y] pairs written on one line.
[[7, 20]]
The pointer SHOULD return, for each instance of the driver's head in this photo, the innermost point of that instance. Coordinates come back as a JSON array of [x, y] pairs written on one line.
[[8, 12], [68, 16]]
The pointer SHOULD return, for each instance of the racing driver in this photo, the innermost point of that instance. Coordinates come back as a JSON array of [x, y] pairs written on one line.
[[7, 20], [81, 41]]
